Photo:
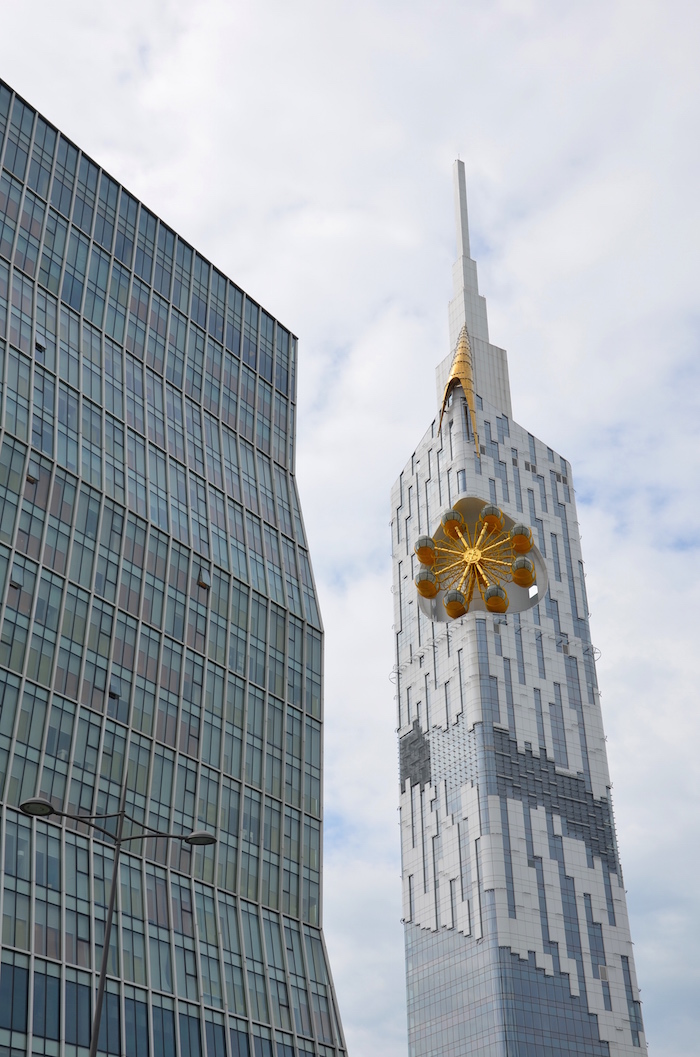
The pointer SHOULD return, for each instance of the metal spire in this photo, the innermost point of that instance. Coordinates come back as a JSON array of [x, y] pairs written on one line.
[[462, 373]]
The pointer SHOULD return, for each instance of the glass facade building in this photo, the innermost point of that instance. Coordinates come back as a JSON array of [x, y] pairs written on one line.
[[517, 936], [158, 626]]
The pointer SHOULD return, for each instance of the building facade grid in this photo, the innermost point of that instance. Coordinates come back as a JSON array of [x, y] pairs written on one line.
[[158, 625]]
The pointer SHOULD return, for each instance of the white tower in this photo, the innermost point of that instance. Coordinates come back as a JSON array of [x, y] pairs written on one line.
[[517, 937]]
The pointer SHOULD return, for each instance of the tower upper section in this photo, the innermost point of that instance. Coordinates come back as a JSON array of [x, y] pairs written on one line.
[[513, 898], [468, 308]]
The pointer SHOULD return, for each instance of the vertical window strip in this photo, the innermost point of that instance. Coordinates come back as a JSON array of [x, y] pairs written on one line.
[[556, 715], [64, 177], [106, 215], [10, 198], [85, 195], [19, 134], [29, 235]]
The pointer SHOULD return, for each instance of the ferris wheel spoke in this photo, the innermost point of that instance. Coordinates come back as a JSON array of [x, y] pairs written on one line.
[[458, 530], [470, 593], [448, 550], [464, 576], [453, 565], [481, 575], [497, 544], [483, 532]]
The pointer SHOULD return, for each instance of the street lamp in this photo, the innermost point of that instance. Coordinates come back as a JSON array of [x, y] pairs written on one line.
[[40, 807]]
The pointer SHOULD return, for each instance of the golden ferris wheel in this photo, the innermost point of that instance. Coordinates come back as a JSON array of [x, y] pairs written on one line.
[[474, 557]]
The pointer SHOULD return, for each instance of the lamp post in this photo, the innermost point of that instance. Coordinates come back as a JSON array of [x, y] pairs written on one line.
[[39, 807]]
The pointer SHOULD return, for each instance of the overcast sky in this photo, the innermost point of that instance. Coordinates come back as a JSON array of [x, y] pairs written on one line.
[[306, 148]]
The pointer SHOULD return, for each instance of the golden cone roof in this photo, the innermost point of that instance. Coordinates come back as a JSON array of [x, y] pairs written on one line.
[[462, 373]]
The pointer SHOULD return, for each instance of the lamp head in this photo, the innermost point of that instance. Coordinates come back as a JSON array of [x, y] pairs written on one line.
[[200, 838], [38, 807]]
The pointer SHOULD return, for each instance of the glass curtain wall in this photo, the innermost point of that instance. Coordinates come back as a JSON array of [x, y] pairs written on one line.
[[158, 626]]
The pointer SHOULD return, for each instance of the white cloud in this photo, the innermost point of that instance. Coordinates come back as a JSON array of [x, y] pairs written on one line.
[[307, 148]]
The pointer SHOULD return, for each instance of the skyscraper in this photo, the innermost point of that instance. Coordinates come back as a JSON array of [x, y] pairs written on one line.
[[158, 627], [517, 937]]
